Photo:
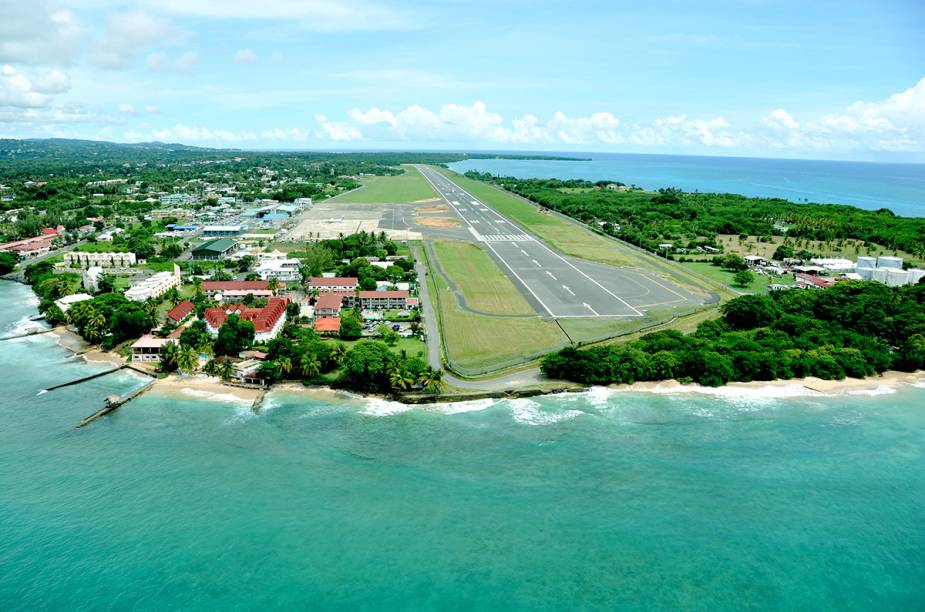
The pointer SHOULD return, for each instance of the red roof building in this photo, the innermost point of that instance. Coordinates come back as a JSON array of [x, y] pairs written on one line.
[[327, 325], [267, 320], [181, 311], [329, 304], [238, 289]]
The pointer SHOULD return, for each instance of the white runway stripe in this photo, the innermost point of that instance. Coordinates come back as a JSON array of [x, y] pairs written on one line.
[[505, 238]]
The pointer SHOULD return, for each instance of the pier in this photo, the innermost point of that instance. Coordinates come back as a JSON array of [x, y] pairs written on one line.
[[27, 334], [115, 404]]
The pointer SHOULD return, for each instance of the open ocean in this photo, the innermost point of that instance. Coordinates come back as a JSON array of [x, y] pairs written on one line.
[[899, 187], [597, 500]]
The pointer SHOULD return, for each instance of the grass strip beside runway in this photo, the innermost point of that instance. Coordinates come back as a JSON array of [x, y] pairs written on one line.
[[483, 285], [398, 189]]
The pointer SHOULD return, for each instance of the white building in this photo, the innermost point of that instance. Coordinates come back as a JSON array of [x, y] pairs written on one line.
[[280, 269], [154, 286], [69, 300], [100, 260], [834, 264]]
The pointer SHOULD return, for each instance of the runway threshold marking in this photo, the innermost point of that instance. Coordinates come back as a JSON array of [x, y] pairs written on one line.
[[588, 306], [567, 289], [550, 275], [517, 276], [492, 249]]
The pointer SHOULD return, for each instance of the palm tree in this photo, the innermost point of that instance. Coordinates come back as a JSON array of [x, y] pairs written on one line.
[[170, 355], [432, 381], [226, 369], [338, 351], [399, 380], [211, 368], [273, 285], [284, 364], [309, 366], [93, 326], [187, 360]]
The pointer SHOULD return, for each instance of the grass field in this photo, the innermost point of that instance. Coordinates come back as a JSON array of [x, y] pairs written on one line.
[[412, 346], [399, 189], [759, 285], [484, 286], [848, 248], [481, 343]]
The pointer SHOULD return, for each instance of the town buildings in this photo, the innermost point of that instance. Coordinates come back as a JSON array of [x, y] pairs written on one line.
[[154, 286], [220, 248], [324, 284], [280, 269], [235, 290], [147, 349], [30, 247], [268, 321], [99, 260]]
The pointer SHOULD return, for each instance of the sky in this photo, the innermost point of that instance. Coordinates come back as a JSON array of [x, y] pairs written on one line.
[[776, 78]]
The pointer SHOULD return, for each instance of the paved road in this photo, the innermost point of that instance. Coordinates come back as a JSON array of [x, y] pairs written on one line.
[[555, 284]]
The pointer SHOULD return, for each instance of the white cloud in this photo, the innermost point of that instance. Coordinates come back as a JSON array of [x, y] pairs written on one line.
[[679, 130], [38, 32], [296, 134], [126, 34], [336, 131], [894, 124], [152, 110], [316, 15], [245, 56], [185, 133], [128, 109], [187, 61], [372, 116], [18, 90]]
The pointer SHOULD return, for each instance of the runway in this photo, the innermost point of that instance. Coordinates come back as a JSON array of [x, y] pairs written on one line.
[[558, 286]]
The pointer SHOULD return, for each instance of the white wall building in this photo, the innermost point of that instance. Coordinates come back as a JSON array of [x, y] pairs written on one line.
[[100, 260], [154, 286], [280, 269]]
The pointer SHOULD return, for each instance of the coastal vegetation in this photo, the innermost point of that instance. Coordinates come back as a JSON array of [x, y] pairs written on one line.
[[687, 220], [854, 329]]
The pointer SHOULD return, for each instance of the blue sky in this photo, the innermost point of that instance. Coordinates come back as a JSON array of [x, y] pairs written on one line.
[[836, 80]]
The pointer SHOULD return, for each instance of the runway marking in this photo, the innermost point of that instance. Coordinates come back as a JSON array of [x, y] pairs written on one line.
[[487, 243], [537, 264], [550, 274], [569, 290]]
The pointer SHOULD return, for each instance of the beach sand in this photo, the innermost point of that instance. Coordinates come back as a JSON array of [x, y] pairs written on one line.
[[884, 383], [202, 387]]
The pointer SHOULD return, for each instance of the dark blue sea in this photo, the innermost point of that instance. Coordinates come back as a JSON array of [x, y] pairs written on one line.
[[899, 187]]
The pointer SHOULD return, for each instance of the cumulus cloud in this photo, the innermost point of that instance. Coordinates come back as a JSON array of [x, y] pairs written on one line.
[[894, 124], [128, 109], [157, 60], [126, 34], [38, 32], [186, 133], [245, 56], [19, 90], [336, 131], [152, 110]]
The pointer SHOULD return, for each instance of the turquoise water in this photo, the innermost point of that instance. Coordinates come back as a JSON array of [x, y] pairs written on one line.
[[594, 501], [899, 187]]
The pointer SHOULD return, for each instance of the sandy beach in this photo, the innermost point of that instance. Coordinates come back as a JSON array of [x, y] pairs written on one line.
[[874, 385], [202, 387]]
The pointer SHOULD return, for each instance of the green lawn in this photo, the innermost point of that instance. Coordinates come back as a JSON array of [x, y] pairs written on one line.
[[399, 189], [481, 343], [759, 285], [483, 284], [411, 346]]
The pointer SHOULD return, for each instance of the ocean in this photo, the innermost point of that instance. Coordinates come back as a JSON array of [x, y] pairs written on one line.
[[594, 500], [898, 187]]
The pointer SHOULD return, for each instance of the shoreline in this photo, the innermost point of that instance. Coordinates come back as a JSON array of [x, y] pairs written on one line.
[[206, 387]]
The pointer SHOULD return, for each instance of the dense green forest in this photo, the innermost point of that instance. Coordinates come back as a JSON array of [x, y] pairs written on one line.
[[853, 329], [689, 220]]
